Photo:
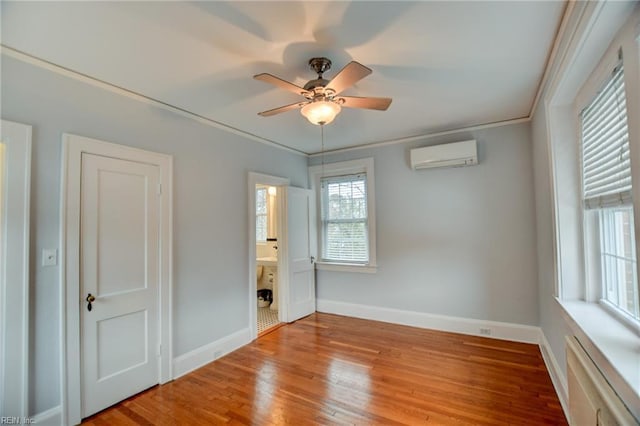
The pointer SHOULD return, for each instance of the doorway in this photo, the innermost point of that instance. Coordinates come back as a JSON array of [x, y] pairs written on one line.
[[267, 273], [116, 273], [295, 261]]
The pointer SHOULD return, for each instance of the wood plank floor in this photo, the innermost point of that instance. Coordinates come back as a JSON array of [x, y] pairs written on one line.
[[329, 369]]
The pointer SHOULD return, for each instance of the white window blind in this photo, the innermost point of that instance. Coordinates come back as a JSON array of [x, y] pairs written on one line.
[[606, 163], [344, 219]]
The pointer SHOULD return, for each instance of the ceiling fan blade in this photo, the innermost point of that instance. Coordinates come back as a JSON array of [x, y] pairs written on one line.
[[283, 84], [282, 109], [369, 103], [348, 76]]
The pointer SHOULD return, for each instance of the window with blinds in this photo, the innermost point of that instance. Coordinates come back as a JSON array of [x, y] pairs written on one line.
[[606, 164], [344, 218], [606, 185]]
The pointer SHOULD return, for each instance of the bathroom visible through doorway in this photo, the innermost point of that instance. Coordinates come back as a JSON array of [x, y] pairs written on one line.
[[267, 258]]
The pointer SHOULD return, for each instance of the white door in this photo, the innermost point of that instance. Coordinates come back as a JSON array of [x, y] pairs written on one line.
[[301, 253], [119, 250]]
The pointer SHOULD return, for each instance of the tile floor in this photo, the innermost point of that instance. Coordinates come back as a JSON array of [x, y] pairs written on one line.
[[267, 318]]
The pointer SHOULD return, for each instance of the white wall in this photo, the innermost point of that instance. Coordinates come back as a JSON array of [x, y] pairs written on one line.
[[552, 321], [210, 206], [457, 242]]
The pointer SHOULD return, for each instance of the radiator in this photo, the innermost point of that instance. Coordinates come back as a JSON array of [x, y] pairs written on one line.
[[592, 401]]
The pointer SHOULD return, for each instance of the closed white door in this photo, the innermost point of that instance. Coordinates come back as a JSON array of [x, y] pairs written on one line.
[[119, 274], [301, 253]]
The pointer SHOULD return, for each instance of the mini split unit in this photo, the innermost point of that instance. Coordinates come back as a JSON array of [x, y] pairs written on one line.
[[458, 154]]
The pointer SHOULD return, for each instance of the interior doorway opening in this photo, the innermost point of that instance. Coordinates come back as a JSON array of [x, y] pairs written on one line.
[[267, 273], [267, 249]]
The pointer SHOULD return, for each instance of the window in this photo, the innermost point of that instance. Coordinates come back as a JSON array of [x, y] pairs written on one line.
[[619, 280], [261, 215], [346, 203], [606, 191], [344, 219]]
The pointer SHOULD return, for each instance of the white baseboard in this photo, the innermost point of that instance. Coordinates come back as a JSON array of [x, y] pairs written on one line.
[[203, 355], [557, 378], [497, 330], [50, 417]]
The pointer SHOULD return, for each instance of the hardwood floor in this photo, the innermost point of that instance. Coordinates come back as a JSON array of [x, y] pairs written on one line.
[[329, 369]]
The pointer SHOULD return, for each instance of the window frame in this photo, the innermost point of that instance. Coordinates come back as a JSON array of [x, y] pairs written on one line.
[[594, 290], [359, 166], [266, 214], [326, 222]]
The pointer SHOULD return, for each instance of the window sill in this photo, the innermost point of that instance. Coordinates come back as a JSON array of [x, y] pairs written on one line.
[[613, 347], [346, 267]]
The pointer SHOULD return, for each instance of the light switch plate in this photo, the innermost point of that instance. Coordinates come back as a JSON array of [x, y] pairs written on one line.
[[49, 257]]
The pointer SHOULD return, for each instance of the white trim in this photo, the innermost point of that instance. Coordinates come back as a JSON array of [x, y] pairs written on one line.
[[363, 165], [203, 355], [280, 182], [50, 417], [611, 346], [346, 267], [553, 55], [72, 148], [67, 72], [58, 69], [555, 372], [499, 330], [14, 270]]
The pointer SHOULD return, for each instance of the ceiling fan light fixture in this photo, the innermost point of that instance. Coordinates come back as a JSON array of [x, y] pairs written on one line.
[[321, 112]]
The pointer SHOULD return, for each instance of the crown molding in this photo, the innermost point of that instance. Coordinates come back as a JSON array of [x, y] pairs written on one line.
[[67, 72]]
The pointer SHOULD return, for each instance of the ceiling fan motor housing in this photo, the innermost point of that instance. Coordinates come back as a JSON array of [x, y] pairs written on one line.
[[320, 65]]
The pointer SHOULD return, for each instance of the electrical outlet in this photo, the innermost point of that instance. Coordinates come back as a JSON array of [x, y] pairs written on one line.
[[485, 331]]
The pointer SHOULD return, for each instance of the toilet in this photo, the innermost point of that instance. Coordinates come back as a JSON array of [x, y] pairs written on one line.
[[265, 297]]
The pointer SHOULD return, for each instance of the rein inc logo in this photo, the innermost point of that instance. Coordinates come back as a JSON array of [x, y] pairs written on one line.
[[13, 420]]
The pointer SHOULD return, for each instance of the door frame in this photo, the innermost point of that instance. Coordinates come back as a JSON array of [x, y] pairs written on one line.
[[73, 146], [281, 183], [14, 278]]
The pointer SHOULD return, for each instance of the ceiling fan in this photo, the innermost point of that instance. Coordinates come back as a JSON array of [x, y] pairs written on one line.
[[322, 102]]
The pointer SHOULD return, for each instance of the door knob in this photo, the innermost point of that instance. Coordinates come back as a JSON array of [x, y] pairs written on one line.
[[90, 298]]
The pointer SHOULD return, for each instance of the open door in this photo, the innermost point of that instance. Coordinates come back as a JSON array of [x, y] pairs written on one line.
[[301, 253]]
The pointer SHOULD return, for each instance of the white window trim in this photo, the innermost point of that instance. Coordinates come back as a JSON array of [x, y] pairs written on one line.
[[591, 227], [590, 321], [364, 165]]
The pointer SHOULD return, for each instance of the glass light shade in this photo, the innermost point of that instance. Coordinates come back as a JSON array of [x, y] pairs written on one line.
[[321, 112]]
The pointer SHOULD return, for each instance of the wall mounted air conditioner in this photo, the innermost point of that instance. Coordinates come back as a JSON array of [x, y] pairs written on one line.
[[456, 154]]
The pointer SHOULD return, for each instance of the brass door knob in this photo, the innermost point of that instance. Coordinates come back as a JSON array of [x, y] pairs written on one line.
[[90, 299]]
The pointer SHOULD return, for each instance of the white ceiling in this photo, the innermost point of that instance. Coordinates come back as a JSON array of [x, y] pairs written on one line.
[[447, 65]]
